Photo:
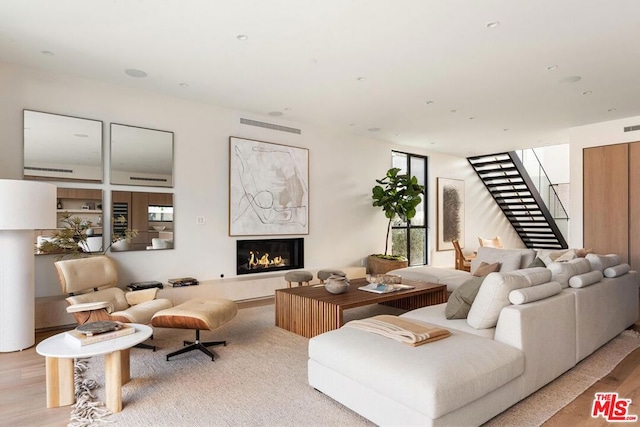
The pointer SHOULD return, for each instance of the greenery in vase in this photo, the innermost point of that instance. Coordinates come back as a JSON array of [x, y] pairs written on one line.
[[398, 195], [71, 241]]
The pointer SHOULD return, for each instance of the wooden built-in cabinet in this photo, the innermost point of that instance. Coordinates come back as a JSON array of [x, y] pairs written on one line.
[[611, 201], [134, 206]]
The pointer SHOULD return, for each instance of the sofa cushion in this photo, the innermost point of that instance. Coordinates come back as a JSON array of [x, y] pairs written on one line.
[[600, 262], [585, 279], [461, 299], [561, 272], [491, 255], [617, 270], [537, 262], [442, 276], [435, 378], [534, 293], [434, 315], [493, 295], [552, 255]]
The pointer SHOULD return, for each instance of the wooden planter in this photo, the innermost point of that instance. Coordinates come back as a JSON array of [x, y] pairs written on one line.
[[376, 265]]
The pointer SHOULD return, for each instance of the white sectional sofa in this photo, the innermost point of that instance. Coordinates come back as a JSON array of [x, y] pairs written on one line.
[[500, 354]]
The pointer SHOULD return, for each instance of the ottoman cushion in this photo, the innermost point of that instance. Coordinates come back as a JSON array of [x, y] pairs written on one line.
[[197, 313]]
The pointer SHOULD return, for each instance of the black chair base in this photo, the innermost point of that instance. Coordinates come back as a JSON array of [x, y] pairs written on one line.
[[146, 346], [198, 345]]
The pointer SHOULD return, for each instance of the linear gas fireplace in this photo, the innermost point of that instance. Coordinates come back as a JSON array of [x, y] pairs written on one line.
[[267, 255]]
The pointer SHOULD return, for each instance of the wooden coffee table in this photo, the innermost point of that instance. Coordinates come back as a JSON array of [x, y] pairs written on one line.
[[312, 310]]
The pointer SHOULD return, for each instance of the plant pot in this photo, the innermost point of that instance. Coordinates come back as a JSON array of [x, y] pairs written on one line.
[[377, 265]]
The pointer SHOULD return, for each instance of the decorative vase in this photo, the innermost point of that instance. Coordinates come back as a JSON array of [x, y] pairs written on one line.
[[377, 265], [336, 284]]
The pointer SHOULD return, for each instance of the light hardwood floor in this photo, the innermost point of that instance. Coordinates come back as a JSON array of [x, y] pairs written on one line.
[[23, 397]]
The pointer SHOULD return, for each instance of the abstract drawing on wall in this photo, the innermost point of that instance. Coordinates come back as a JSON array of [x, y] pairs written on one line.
[[450, 213], [268, 188]]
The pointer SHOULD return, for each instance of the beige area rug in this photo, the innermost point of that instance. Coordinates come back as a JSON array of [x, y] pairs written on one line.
[[260, 379]]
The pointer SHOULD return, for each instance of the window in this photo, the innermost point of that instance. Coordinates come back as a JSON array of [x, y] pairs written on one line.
[[410, 238]]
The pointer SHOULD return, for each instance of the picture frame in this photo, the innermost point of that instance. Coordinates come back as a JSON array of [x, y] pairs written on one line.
[[450, 213], [268, 188]]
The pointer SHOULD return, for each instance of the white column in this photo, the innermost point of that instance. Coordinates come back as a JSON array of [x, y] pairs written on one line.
[[17, 290]]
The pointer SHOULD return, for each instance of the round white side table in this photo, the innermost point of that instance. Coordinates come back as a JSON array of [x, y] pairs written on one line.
[[60, 352]]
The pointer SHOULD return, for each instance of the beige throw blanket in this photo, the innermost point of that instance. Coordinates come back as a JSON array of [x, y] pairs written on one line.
[[402, 330]]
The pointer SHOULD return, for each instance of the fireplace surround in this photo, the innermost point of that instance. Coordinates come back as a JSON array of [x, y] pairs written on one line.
[[268, 255]]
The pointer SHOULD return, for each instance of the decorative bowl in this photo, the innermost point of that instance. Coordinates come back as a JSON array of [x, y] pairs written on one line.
[[336, 284], [159, 227]]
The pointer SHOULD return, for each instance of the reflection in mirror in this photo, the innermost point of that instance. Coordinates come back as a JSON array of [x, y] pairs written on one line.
[[79, 224], [62, 147], [142, 221], [141, 156]]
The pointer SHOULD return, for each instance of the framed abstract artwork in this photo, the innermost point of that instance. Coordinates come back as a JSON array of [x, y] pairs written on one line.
[[268, 188], [450, 213]]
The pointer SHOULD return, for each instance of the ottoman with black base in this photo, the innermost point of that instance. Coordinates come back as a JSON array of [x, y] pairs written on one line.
[[199, 314]]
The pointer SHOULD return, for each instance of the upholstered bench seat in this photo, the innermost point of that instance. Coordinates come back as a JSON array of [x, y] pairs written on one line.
[[199, 314]]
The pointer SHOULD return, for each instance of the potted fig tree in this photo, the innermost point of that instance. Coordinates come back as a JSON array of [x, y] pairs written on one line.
[[398, 195]]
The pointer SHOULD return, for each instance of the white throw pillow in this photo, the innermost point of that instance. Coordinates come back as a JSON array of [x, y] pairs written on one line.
[[600, 262], [534, 293], [617, 270], [585, 279], [561, 272], [492, 297]]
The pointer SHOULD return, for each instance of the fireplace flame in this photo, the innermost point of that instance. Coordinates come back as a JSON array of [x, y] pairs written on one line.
[[257, 261]]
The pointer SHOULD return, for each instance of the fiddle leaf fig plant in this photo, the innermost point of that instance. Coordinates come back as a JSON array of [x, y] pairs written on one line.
[[398, 195]]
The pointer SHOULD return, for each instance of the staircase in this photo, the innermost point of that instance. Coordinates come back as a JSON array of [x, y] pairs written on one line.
[[514, 191]]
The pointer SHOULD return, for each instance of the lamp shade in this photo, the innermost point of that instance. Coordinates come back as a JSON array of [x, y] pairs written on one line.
[[27, 205]]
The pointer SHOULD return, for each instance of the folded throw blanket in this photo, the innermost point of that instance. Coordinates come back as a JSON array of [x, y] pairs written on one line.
[[402, 330]]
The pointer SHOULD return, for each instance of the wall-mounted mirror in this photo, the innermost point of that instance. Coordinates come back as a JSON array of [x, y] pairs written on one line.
[[62, 147], [142, 221], [141, 156], [79, 224]]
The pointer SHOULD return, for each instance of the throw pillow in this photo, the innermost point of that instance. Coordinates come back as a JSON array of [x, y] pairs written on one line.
[[582, 252], [537, 262], [462, 297], [585, 279], [600, 262], [534, 293], [617, 270], [486, 268], [493, 296], [567, 256], [561, 272]]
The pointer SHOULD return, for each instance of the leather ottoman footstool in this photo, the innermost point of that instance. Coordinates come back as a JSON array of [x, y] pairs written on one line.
[[199, 314]]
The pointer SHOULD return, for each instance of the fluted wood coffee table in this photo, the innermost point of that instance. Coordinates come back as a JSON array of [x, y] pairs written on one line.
[[312, 310]]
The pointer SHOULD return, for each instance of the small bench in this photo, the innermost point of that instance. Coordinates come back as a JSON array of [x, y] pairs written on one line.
[[199, 314]]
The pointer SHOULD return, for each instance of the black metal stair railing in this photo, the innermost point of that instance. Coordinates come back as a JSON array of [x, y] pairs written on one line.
[[510, 185]]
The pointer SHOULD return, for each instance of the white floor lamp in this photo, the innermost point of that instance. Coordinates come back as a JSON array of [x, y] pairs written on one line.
[[26, 206]]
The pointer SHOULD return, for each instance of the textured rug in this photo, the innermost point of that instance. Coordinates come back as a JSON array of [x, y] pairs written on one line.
[[260, 379]]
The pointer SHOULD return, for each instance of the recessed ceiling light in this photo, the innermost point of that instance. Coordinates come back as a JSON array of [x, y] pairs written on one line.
[[183, 85], [432, 143], [587, 92], [493, 24], [275, 113], [611, 110], [552, 67], [454, 111], [352, 124], [242, 37], [47, 52], [471, 118], [359, 79], [81, 135], [374, 129], [505, 129], [132, 72], [428, 102], [570, 79], [314, 61]]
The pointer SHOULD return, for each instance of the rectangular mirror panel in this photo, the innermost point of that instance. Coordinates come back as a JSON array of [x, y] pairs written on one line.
[[142, 221], [141, 156], [62, 147]]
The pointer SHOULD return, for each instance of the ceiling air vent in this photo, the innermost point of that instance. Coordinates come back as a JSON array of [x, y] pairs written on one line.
[[137, 178], [32, 168], [631, 128], [270, 126]]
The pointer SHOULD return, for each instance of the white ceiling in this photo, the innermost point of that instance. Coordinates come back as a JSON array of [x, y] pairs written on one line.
[[490, 88]]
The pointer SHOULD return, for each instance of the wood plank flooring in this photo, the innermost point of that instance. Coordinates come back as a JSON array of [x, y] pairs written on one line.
[[23, 397]]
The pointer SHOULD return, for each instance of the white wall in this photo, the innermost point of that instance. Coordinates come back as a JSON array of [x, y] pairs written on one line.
[[344, 228], [605, 133]]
